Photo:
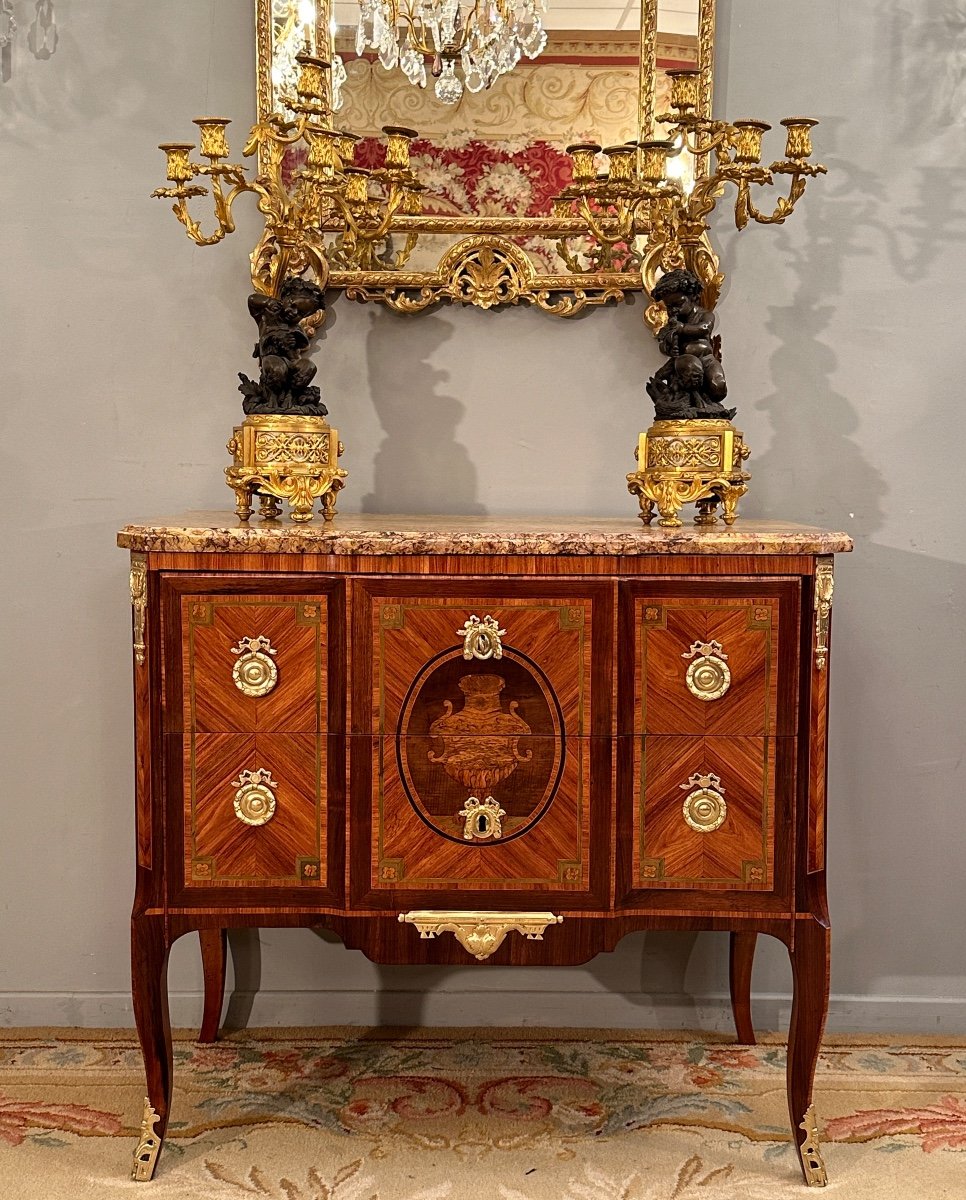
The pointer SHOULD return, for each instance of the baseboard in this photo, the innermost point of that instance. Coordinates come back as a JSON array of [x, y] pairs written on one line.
[[847, 1014]]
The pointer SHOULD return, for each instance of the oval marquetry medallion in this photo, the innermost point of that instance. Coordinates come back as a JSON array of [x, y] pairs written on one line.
[[490, 732]]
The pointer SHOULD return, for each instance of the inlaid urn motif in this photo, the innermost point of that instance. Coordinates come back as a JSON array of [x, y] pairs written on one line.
[[480, 742]]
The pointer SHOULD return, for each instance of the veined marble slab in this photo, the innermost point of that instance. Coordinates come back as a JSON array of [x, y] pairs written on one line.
[[201, 532]]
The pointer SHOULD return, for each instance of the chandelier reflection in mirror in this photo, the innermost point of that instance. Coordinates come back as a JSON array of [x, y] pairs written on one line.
[[485, 39], [462, 44]]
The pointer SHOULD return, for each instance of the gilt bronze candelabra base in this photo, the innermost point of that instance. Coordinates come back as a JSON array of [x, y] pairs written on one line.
[[279, 457], [693, 461]]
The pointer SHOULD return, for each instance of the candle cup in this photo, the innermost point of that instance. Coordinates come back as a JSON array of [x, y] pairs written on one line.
[[412, 204], [398, 140], [214, 143], [584, 154], [622, 161], [179, 165], [356, 186], [323, 156], [748, 143], [653, 163], [685, 88], [346, 146], [312, 82], [798, 146]]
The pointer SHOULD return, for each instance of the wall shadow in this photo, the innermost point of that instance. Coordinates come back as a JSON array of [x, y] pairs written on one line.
[[420, 465]]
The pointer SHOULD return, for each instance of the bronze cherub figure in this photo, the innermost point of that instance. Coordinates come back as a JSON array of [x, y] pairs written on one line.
[[285, 379], [691, 384]]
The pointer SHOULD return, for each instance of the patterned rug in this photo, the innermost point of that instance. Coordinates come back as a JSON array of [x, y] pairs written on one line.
[[354, 1114]]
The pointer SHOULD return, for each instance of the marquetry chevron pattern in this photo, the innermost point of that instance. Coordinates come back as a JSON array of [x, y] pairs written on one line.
[[296, 629], [737, 855], [747, 632], [219, 848]]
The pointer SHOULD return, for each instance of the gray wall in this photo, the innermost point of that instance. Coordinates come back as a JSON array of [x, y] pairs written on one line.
[[843, 339]]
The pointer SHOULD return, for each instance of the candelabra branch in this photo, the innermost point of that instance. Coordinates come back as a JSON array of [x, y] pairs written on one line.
[[327, 188], [642, 201]]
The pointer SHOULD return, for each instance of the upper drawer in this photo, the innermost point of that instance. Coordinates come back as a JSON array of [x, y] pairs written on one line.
[[248, 661], [710, 657], [417, 643]]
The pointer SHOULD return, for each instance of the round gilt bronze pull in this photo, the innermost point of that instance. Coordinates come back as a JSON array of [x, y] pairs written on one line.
[[705, 809], [255, 801], [708, 677], [255, 672]]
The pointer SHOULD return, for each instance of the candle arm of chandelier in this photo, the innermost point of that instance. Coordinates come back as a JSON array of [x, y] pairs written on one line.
[[369, 230]]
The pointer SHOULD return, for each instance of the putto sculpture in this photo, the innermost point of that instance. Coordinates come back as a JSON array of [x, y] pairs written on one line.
[[691, 384], [285, 376], [692, 453]]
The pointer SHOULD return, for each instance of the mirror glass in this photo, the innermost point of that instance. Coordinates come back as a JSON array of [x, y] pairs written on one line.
[[501, 151]]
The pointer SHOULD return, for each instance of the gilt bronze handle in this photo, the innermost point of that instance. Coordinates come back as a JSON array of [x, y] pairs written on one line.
[[709, 676], [255, 801], [254, 673], [705, 808]]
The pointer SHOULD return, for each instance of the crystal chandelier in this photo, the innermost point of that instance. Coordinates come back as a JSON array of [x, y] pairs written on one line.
[[468, 43]]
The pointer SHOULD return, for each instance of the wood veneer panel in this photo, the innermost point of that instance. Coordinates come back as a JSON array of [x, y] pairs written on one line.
[[417, 844], [557, 848], [483, 566], [746, 864], [222, 850], [737, 856], [756, 622], [213, 629]]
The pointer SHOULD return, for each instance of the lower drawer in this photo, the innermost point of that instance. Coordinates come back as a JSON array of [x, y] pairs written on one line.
[[254, 811], [709, 815], [484, 822]]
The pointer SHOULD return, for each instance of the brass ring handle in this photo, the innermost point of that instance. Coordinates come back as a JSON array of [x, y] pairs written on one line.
[[254, 801], [709, 676], [481, 639], [705, 808], [254, 673]]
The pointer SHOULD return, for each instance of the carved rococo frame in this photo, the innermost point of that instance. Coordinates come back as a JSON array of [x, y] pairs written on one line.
[[484, 267]]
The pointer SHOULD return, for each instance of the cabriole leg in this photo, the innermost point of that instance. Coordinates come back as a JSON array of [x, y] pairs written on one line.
[[214, 944], [810, 971], [742, 960], [149, 988]]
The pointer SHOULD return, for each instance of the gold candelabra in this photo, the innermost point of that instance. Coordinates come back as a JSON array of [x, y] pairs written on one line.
[[635, 203], [636, 197], [328, 189], [291, 455]]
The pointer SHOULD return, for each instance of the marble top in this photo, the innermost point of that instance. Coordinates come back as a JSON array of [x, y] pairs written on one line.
[[219, 532]]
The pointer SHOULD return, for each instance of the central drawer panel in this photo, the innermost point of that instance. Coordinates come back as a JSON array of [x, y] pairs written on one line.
[[481, 758]]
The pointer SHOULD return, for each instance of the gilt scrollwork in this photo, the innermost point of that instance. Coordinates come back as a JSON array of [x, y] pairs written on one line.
[[481, 933]]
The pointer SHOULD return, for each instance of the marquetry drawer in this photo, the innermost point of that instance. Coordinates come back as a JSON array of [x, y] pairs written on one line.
[[415, 640], [710, 657], [255, 812], [530, 828], [711, 815], [253, 664]]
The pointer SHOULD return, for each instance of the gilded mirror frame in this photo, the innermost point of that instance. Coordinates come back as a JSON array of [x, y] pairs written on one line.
[[483, 266]]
